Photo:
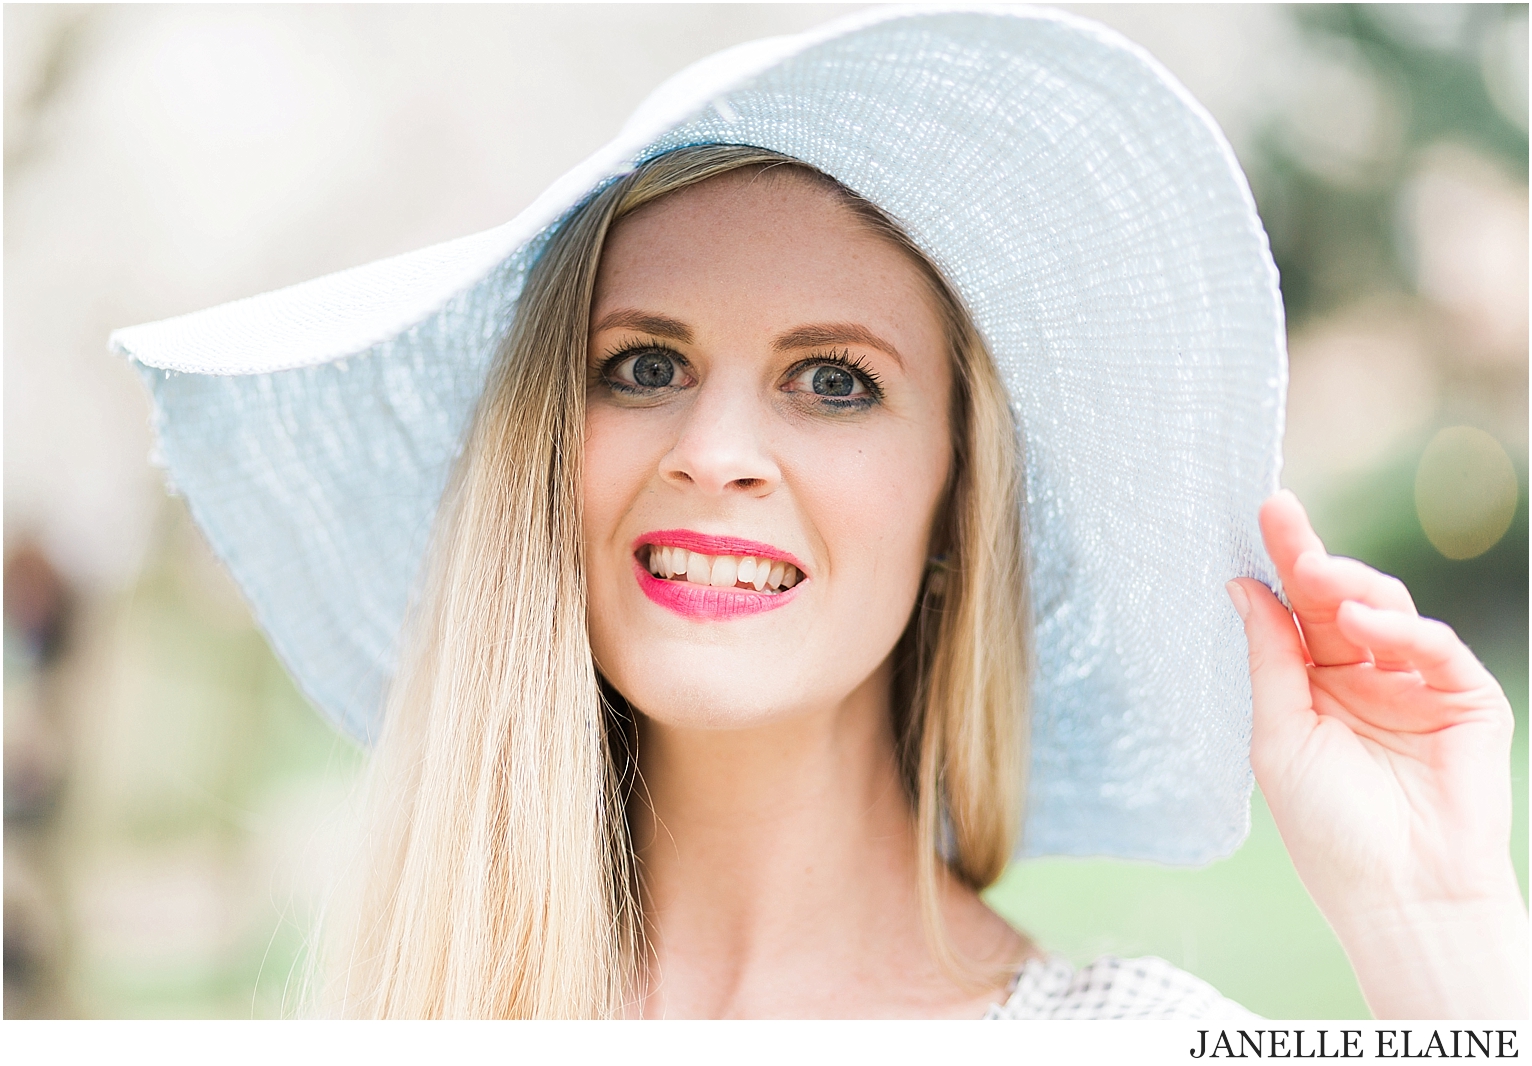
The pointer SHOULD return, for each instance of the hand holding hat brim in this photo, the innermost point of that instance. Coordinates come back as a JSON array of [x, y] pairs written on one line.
[[1382, 747]]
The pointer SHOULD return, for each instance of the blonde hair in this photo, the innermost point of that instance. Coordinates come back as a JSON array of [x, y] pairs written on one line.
[[499, 877]]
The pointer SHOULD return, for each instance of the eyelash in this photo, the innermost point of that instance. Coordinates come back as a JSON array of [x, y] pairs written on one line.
[[855, 364], [858, 368], [626, 351]]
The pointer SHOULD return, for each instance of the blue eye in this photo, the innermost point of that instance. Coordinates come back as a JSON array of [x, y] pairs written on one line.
[[837, 381], [643, 368], [653, 370], [834, 381]]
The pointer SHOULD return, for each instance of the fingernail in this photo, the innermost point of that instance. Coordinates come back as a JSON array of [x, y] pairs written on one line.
[[1239, 599]]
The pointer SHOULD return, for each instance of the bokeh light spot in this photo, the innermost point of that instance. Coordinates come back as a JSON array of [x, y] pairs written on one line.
[[1465, 492]]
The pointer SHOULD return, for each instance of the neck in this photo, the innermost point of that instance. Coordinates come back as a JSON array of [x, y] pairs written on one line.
[[779, 871]]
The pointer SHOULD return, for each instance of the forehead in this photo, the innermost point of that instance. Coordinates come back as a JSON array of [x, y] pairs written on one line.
[[749, 199], [778, 233]]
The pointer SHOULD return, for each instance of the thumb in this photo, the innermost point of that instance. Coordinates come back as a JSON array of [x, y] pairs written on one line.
[[1279, 678]]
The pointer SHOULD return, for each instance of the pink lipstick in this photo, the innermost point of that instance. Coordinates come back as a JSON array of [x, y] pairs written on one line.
[[710, 545], [670, 552]]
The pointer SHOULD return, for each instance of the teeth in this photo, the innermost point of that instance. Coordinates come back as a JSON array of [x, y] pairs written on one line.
[[725, 572], [722, 571]]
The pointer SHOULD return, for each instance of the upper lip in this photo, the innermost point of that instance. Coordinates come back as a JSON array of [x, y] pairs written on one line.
[[708, 544]]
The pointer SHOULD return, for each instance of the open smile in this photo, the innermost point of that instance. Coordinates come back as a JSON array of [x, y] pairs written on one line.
[[701, 576]]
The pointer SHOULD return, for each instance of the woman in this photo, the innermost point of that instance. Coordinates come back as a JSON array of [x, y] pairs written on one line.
[[712, 700]]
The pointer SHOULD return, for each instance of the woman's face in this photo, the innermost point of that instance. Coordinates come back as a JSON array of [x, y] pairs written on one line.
[[767, 442]]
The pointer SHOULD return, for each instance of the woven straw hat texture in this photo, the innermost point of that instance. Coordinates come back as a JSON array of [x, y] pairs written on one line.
[[1095, 221]]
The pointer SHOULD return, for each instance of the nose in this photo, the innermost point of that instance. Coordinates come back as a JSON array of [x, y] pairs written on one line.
[[722, 444]]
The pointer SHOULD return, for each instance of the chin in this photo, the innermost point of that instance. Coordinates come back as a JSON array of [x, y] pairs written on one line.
[[729, 696]]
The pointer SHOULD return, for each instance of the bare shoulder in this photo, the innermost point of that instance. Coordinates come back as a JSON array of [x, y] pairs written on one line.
[[1113, 988]]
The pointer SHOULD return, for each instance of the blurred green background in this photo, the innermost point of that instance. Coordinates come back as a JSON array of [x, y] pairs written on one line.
[[174, 810], [1393, 288]]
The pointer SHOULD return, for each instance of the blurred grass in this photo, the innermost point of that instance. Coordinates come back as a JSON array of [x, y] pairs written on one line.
[[224, 758], [206, 771], [198, 823], [1246, 924]]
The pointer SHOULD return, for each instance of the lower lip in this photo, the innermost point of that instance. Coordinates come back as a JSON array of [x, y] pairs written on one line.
[[708, 601]]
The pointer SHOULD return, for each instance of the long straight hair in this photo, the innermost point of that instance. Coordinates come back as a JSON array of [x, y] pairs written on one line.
[[498, 876]]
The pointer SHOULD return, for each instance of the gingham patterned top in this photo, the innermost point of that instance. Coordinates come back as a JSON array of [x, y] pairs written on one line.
[[1111, 988]]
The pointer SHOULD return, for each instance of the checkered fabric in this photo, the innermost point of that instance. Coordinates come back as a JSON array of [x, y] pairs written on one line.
[[1112, 989]]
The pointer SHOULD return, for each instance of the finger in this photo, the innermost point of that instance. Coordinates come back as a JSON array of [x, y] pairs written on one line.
[[1288, 535], [1320, 584], [1286, 530], [1427, 646], [1382, 705], [1334, 577], [1379, 705], [1290, 538], [1279, 681]]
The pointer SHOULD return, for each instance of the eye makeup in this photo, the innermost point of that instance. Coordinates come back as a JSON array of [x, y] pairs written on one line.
[[635, 351], [854, 365], [638, 352]]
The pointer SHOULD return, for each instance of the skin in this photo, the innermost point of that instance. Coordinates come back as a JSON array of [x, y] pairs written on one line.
[[777, 849], [1382, 747], [776, 844]]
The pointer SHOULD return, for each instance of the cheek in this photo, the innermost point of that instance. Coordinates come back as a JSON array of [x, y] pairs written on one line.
[[874, 505], [859, 498], [601, 471], [615, 471], [615, 468]]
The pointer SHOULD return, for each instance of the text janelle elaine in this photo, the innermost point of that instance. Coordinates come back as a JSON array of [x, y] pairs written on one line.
[[1355, 1044]]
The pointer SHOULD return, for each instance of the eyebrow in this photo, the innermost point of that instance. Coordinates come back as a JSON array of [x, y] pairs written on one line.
[[818, 335], [658, 325], [826, 333]]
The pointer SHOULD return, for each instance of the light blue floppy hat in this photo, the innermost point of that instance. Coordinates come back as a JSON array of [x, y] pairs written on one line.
[[1093, 218]]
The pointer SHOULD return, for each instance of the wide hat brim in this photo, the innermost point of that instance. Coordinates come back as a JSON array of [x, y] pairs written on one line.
[[1096, 223]]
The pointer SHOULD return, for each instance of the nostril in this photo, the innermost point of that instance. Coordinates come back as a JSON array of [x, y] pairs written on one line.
[[718, 466]]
